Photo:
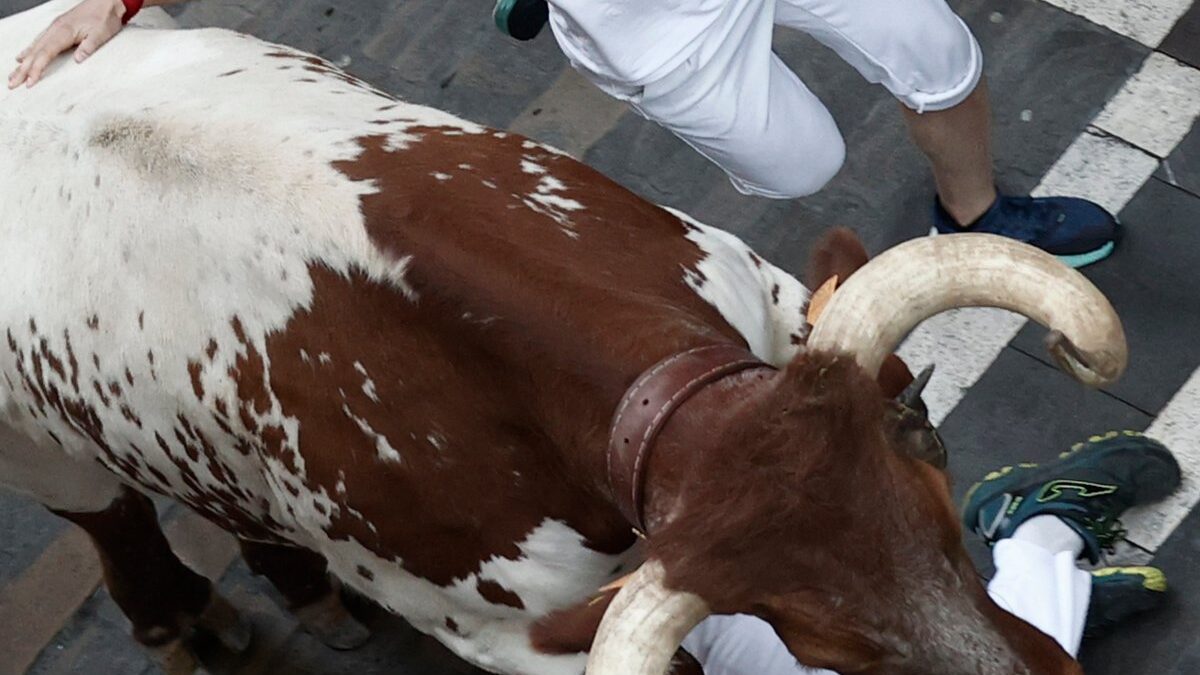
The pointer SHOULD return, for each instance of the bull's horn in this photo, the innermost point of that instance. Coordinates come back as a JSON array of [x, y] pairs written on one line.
[[888, 297], [644, 626], [911, 396]]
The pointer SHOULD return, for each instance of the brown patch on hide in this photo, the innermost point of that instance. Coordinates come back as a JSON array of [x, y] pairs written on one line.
[[319, 66], [194, 371], [571, 630], [72, 362], [496, 594]]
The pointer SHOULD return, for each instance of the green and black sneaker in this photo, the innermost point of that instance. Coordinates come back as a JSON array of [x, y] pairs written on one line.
[[1088, 487], [1120, 592], [521, 19]]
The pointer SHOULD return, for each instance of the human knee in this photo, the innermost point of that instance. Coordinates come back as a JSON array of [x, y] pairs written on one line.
[[794, 171]]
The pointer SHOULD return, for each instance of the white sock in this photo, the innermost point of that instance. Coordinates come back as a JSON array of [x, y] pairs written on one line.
[[1050, 533]]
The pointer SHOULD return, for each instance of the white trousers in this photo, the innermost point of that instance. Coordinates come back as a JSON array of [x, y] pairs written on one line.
[[1043, 588], [737, 104]]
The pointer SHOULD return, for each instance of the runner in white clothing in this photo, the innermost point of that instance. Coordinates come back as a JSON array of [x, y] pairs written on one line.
[[705, 70]]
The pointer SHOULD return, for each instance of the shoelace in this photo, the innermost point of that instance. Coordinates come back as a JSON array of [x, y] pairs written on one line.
[[1031, 216], [1108, 531]]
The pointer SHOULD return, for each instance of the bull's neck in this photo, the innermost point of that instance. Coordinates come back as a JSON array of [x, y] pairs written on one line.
[[697, 427]]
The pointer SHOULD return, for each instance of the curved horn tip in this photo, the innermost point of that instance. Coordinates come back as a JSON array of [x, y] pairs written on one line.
[[644, 626], [911, 396], [1094, 370]]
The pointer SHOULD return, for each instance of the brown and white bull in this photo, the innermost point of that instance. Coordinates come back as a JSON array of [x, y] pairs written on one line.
[[324, 318]]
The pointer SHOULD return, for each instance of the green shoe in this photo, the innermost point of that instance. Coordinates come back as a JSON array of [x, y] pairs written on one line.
[[1088, 487], [1120, 592], [521, 19]]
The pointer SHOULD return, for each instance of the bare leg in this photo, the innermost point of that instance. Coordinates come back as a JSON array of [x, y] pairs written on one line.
[[300, 576], [957, 142]]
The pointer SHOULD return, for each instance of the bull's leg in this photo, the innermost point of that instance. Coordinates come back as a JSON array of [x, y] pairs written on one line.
[[301, 577], [162, 597]]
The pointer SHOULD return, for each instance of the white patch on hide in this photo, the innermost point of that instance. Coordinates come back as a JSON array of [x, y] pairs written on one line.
[[529, 166], [745, 293], [368, 386], [385, 450], [494, 637]]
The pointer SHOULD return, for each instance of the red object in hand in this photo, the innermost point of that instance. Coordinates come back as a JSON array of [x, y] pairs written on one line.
[[132, 7]]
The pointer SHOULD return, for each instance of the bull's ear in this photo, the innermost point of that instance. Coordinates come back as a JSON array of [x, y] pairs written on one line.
[[894, 377], [839, 252]]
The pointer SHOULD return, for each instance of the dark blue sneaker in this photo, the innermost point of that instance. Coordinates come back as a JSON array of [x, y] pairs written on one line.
[[1088, 487], [521, 19], [1120, 592], [1075, 230]]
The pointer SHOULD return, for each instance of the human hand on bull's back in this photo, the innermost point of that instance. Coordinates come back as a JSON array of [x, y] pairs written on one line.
[[88, 27]]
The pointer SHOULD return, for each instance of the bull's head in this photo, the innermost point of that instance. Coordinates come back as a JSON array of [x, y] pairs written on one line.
[[826, 521]]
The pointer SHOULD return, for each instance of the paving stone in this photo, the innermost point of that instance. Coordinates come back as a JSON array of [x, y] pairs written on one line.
[[1182, 167], [25, 530], [1156, 107], [96, 639], [1146, 22], [1183, 42]]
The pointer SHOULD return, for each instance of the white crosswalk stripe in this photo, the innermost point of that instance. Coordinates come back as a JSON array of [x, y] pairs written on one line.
[[1147, 21]]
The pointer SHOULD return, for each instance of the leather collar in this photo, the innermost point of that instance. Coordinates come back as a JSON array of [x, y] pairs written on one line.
[[649, 403]]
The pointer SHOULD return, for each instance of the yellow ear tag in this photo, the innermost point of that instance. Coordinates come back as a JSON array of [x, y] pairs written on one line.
[[618, 584], [820, 299]]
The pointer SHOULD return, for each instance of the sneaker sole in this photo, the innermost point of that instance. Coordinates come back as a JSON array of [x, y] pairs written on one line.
[[1084, 259], [1074, 261], [501, 15], [1154, 583], [1153, 579], [1021, 476]]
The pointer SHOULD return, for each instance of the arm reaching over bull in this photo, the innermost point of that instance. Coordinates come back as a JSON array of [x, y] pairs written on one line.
[[86, 28]]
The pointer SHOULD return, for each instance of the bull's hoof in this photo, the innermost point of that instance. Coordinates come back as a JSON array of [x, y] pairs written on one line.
[[222, 621], [328, 620], [176, 658]]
